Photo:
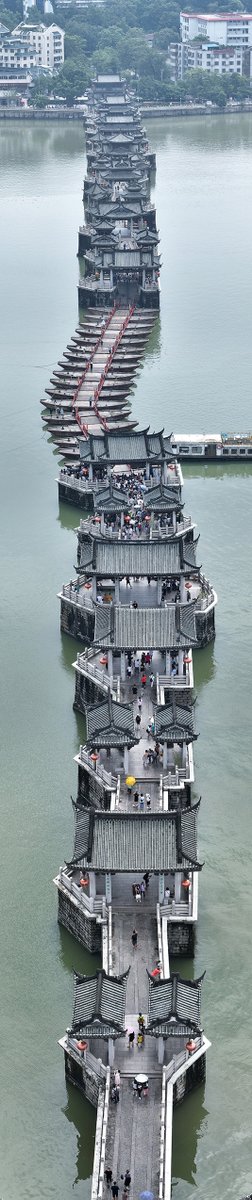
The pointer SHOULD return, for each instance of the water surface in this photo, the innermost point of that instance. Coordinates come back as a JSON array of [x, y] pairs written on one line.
[[196, 375]]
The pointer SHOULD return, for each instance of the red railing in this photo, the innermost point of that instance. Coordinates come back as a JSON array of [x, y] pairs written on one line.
[[109, 360]]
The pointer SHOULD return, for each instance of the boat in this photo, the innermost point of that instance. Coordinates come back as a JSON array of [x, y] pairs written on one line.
[[212, 446]]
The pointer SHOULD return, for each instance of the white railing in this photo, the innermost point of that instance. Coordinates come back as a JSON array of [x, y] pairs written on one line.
[[103, 1137], [207, 598], [80, 598], [175, 776], [93, 905], [179, 681], [159, 942], [82, 485], [177, 908], [162, 1138], [97, 769], [179, 1059], [85, 665]]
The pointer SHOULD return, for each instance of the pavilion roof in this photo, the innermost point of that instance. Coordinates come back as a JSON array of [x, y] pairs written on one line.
[[161, 497], [168, 628], [99, 1004], [126, 842], [174, 722], [110, 723], [110, 499], [174, 1006], [111, 557], [138, 446]]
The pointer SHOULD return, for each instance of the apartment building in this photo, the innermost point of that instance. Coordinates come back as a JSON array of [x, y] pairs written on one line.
[[46, 42], [217, 60], [226, 29]]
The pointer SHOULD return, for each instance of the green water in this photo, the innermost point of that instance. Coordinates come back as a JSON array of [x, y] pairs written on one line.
[[197, 374]]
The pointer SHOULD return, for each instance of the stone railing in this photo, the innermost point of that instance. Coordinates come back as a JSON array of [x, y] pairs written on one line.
[[179, 909], [207, 597], [95, 905], [100, 1142], [178, 1059], [97, 769], [81, 485], [81, 598], [100, 676], [175, 776]]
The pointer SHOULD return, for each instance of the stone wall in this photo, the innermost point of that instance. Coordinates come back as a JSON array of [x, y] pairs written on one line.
[[194, 1076], [181, 938], [78, 622], [90, 793], [80, 499], [87, 691], [83, 1078], [205, 626], [83, 926]]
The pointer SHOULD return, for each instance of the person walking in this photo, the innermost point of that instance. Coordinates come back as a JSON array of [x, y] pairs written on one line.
[[108, 1176], [143, 889], [136, 799], [134, 938], [131, 1039], [141, 800], [148, 800], [115, 1190], [127, 1179]]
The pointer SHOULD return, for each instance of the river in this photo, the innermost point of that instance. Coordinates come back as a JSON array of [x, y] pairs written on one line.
[[196, 375]]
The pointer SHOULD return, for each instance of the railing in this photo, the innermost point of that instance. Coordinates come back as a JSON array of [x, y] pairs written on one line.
[[159, 942], [162, 1138], [96, 1193], [177, 681], [175, 776], [208, 597], [71, 592], [97, 674], [94, 905], [179, 1059], [97, 769], [177, 908]]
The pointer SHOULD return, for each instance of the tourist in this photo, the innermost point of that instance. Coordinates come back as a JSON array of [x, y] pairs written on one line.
[[138, 721], [131, 1039], [140, 703], [141, 799], [115, 1190], [108, 1176], [143, 889], [148, 800], [146, 878], [136, 799], [143, 680], [117, 1081], [152, 680], [134, 939], [127, 1179]]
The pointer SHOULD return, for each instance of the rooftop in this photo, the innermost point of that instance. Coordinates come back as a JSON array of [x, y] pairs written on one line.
[[129, 842], [125, 447], [99, 1004], [174, 1006], [168, 628]]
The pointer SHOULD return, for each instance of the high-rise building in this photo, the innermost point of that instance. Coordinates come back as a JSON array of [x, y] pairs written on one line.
[[46, 41]]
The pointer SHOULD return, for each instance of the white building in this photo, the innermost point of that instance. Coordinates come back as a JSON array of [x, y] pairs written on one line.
[[15, 53], [204, 56], [47, 42], [227, 29]]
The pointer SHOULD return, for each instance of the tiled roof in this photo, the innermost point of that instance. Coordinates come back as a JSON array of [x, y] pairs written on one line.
[[126, 447], [99, 1003], [137, 841], [111, 557], [110, 499], [162, 498], [174, 1002], [174, 722], [110, 724], [156, 628]]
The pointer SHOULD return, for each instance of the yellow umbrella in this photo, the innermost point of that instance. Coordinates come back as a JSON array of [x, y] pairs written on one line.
[[130, 781]]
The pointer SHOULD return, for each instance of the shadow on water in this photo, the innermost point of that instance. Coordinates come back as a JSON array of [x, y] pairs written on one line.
[[69, 517], [186, 1134], [211, 471], [81, 1114], [74, 957], [204, 666]]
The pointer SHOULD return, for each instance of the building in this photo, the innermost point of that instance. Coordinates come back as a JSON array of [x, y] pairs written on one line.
[[206, 56], [226, 29], [15, 54], [46, 42]]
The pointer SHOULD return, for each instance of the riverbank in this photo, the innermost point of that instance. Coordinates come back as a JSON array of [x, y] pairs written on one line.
[[149, 111]]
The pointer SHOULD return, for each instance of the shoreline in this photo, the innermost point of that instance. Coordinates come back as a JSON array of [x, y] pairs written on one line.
[[150, 112]]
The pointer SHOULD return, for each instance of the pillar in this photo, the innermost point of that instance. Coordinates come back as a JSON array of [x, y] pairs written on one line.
[[111, 1051], [94, 588], [92, 885], [122, 520], [182, 590], [160, 1042], [147, 470], [161, 888], [165, 757], [184, 755], [174, 521], [117, 591], [126, 759], [110, 663], [159, 591], [102, 523], [123, 666], [167, 662], [180, 661], [108, 889], [90, 472], [164, 472], [177, 890]]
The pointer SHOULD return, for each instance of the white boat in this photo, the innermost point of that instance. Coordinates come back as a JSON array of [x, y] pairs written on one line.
[[212, 446]]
